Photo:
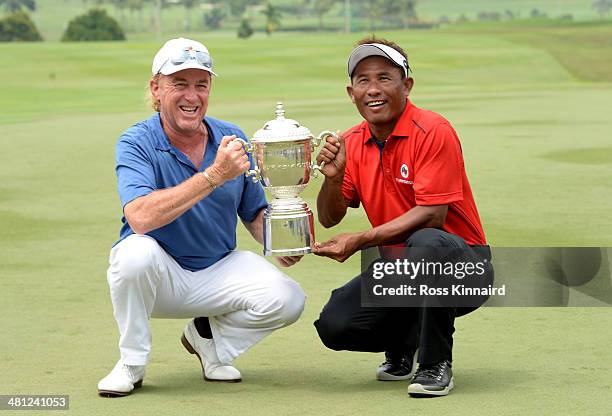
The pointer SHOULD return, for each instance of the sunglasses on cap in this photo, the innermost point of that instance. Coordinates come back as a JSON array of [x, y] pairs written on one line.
[[189, 54]]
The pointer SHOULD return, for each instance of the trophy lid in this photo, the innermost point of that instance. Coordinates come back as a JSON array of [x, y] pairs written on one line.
[[281, 129]]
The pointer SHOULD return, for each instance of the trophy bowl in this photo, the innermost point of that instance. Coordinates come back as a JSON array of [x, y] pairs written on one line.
[[284, 167], [282, 152]]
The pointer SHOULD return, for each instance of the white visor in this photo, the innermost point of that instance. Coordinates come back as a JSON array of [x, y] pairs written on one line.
[[376, 49]]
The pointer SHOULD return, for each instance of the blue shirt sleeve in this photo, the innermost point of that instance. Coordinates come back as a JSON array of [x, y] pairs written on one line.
[[135, 173], [253, 197]]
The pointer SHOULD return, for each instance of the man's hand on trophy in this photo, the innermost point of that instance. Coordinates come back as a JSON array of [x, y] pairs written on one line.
[[339, 247], [288, 261], [231, 161], [333, 155]]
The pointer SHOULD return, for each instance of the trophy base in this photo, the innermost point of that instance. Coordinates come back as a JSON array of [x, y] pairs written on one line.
[[288, 228], [293, 252]]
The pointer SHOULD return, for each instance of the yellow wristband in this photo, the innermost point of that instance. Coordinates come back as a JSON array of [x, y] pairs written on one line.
[[210, 181]]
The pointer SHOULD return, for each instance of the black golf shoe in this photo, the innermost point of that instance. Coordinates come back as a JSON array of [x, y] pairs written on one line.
[[434, 380], [397, 366]]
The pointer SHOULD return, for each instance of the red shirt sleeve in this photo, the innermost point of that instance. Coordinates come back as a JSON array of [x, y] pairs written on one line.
[[438, 167]]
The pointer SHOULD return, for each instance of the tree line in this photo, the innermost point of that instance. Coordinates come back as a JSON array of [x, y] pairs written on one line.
[[148, 15], [214, 14]]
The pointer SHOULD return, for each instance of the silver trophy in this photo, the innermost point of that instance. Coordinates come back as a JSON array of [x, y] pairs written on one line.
[[282, 151]]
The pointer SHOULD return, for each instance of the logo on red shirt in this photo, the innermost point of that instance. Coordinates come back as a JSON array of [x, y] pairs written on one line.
[[404, 172]]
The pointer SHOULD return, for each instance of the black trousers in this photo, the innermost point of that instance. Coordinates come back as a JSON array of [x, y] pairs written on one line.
[[345, 325]]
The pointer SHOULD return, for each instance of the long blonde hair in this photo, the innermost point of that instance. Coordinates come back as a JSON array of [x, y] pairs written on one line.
[[149, 98]]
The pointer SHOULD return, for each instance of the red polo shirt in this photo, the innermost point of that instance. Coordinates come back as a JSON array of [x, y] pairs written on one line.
[[421, 164]]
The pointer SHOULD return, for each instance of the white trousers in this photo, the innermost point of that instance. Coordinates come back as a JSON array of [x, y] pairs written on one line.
[[244, 297]]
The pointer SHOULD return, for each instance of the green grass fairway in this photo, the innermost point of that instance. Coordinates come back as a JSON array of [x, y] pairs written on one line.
[[535, 130]]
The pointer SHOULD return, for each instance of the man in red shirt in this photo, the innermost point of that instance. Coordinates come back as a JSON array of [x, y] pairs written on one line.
[[405, 165]]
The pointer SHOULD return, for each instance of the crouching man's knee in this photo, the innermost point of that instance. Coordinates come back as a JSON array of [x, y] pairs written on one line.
[[332, 332], [288, 303], [134, 259], [427, 237]]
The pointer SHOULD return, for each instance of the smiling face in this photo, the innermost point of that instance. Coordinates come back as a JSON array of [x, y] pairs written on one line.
[[379, 91], [183, 98]]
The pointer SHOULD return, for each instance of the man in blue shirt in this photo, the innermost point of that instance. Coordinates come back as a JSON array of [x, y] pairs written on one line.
[[182, 187]]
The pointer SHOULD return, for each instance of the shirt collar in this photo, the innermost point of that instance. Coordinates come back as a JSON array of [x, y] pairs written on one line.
[[161, 141], [402, 127]]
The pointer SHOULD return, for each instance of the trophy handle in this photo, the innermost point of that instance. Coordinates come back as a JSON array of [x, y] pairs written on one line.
[[315, 142], [248, 147], [254, 174]]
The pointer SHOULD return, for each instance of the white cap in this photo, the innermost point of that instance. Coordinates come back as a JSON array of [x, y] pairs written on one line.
[[178, 54], [376, 49]]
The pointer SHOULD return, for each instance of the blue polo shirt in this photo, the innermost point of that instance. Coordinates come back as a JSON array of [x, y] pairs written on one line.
[[146, 161]]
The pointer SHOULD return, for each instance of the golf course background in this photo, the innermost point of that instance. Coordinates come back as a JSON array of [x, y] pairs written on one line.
[[531, 102], [51, 16]]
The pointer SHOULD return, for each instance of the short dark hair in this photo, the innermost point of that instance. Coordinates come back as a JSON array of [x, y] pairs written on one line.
[[374, 39]]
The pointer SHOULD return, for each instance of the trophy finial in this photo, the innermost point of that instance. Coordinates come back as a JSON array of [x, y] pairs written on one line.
[[280, 111]]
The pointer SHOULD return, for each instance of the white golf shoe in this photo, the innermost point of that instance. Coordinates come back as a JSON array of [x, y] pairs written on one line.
[[121, 380], [204, 349]]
